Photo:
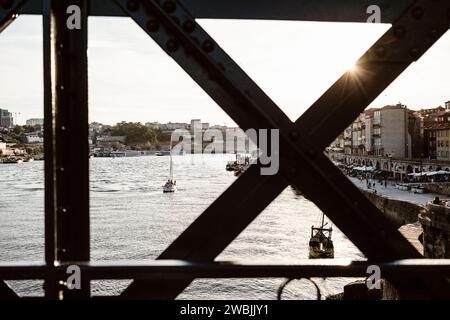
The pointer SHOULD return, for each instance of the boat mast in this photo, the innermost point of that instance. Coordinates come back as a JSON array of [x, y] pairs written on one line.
[[171, 166], [323, 217]]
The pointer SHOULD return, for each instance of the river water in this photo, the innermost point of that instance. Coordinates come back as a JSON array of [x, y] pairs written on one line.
[[131, 219]]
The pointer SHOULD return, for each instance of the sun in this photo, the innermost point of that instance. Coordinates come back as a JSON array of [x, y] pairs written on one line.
[[353, 68]]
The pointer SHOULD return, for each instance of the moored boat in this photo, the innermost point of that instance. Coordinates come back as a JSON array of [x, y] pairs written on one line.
[[171, 184], [12, 160], [320, 244]]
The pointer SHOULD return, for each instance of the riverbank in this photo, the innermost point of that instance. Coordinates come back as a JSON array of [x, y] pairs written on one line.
[[401, 207]]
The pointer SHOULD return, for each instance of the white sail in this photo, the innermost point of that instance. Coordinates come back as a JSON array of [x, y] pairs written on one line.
[[171, 165]]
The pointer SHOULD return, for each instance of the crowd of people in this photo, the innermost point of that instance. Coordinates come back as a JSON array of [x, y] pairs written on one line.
[[371, 179]]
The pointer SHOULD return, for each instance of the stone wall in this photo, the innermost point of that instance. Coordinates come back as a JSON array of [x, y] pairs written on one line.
[[436, 225], [397, 211], [439, 188]]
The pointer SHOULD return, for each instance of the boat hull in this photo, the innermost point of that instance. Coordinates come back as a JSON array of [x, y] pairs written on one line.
[[169, 189], [321, 254]]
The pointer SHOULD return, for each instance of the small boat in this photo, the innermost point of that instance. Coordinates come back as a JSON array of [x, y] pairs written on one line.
[[320, 244], [238, 163], [418, 189], [240, 169], [231, 165], [171, 184], [12, 160]]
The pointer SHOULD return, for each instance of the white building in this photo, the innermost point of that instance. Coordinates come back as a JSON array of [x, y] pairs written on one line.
[[33, 138], [35, 122], [107, 139], [6, 119]]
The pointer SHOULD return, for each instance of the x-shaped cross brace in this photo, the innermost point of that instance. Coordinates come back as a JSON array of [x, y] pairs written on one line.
[[302, 161]]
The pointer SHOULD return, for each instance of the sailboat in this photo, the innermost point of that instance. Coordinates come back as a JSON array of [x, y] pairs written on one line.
[[171, 185], [320, 244]]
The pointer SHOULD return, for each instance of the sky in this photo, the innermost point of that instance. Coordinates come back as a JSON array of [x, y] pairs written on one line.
[[132, 79]]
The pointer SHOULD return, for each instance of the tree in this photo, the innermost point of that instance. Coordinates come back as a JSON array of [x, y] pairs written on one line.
[[135, 132], [19, 130]]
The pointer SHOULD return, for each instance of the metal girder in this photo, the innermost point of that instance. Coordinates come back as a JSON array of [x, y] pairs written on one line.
[[67, 236], [9, 11], [6, 293], [175, 30], [311, 10], [186, 269]]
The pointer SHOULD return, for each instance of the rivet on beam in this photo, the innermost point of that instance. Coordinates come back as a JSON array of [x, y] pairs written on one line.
[[171, 45], [293, 135], [132, 5], [399, 32], [414, 52], [417, 13], [152, 25], [433, 33], [169, 6], [208, 46], [380, 51], [189, 26]]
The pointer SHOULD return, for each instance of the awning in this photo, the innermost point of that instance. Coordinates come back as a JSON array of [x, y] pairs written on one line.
[[428, 173]]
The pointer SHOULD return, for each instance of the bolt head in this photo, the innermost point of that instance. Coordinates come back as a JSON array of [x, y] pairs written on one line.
[[293, 135], [433, 33], [399, 32], [414, 52], [152, 25], [189, 26], [169, 6], [208, 46], [380, 51], [417, 13], [132, 5], [171, 45]]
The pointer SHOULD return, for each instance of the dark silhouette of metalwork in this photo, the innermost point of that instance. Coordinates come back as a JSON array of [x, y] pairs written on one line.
[[416, 26]]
